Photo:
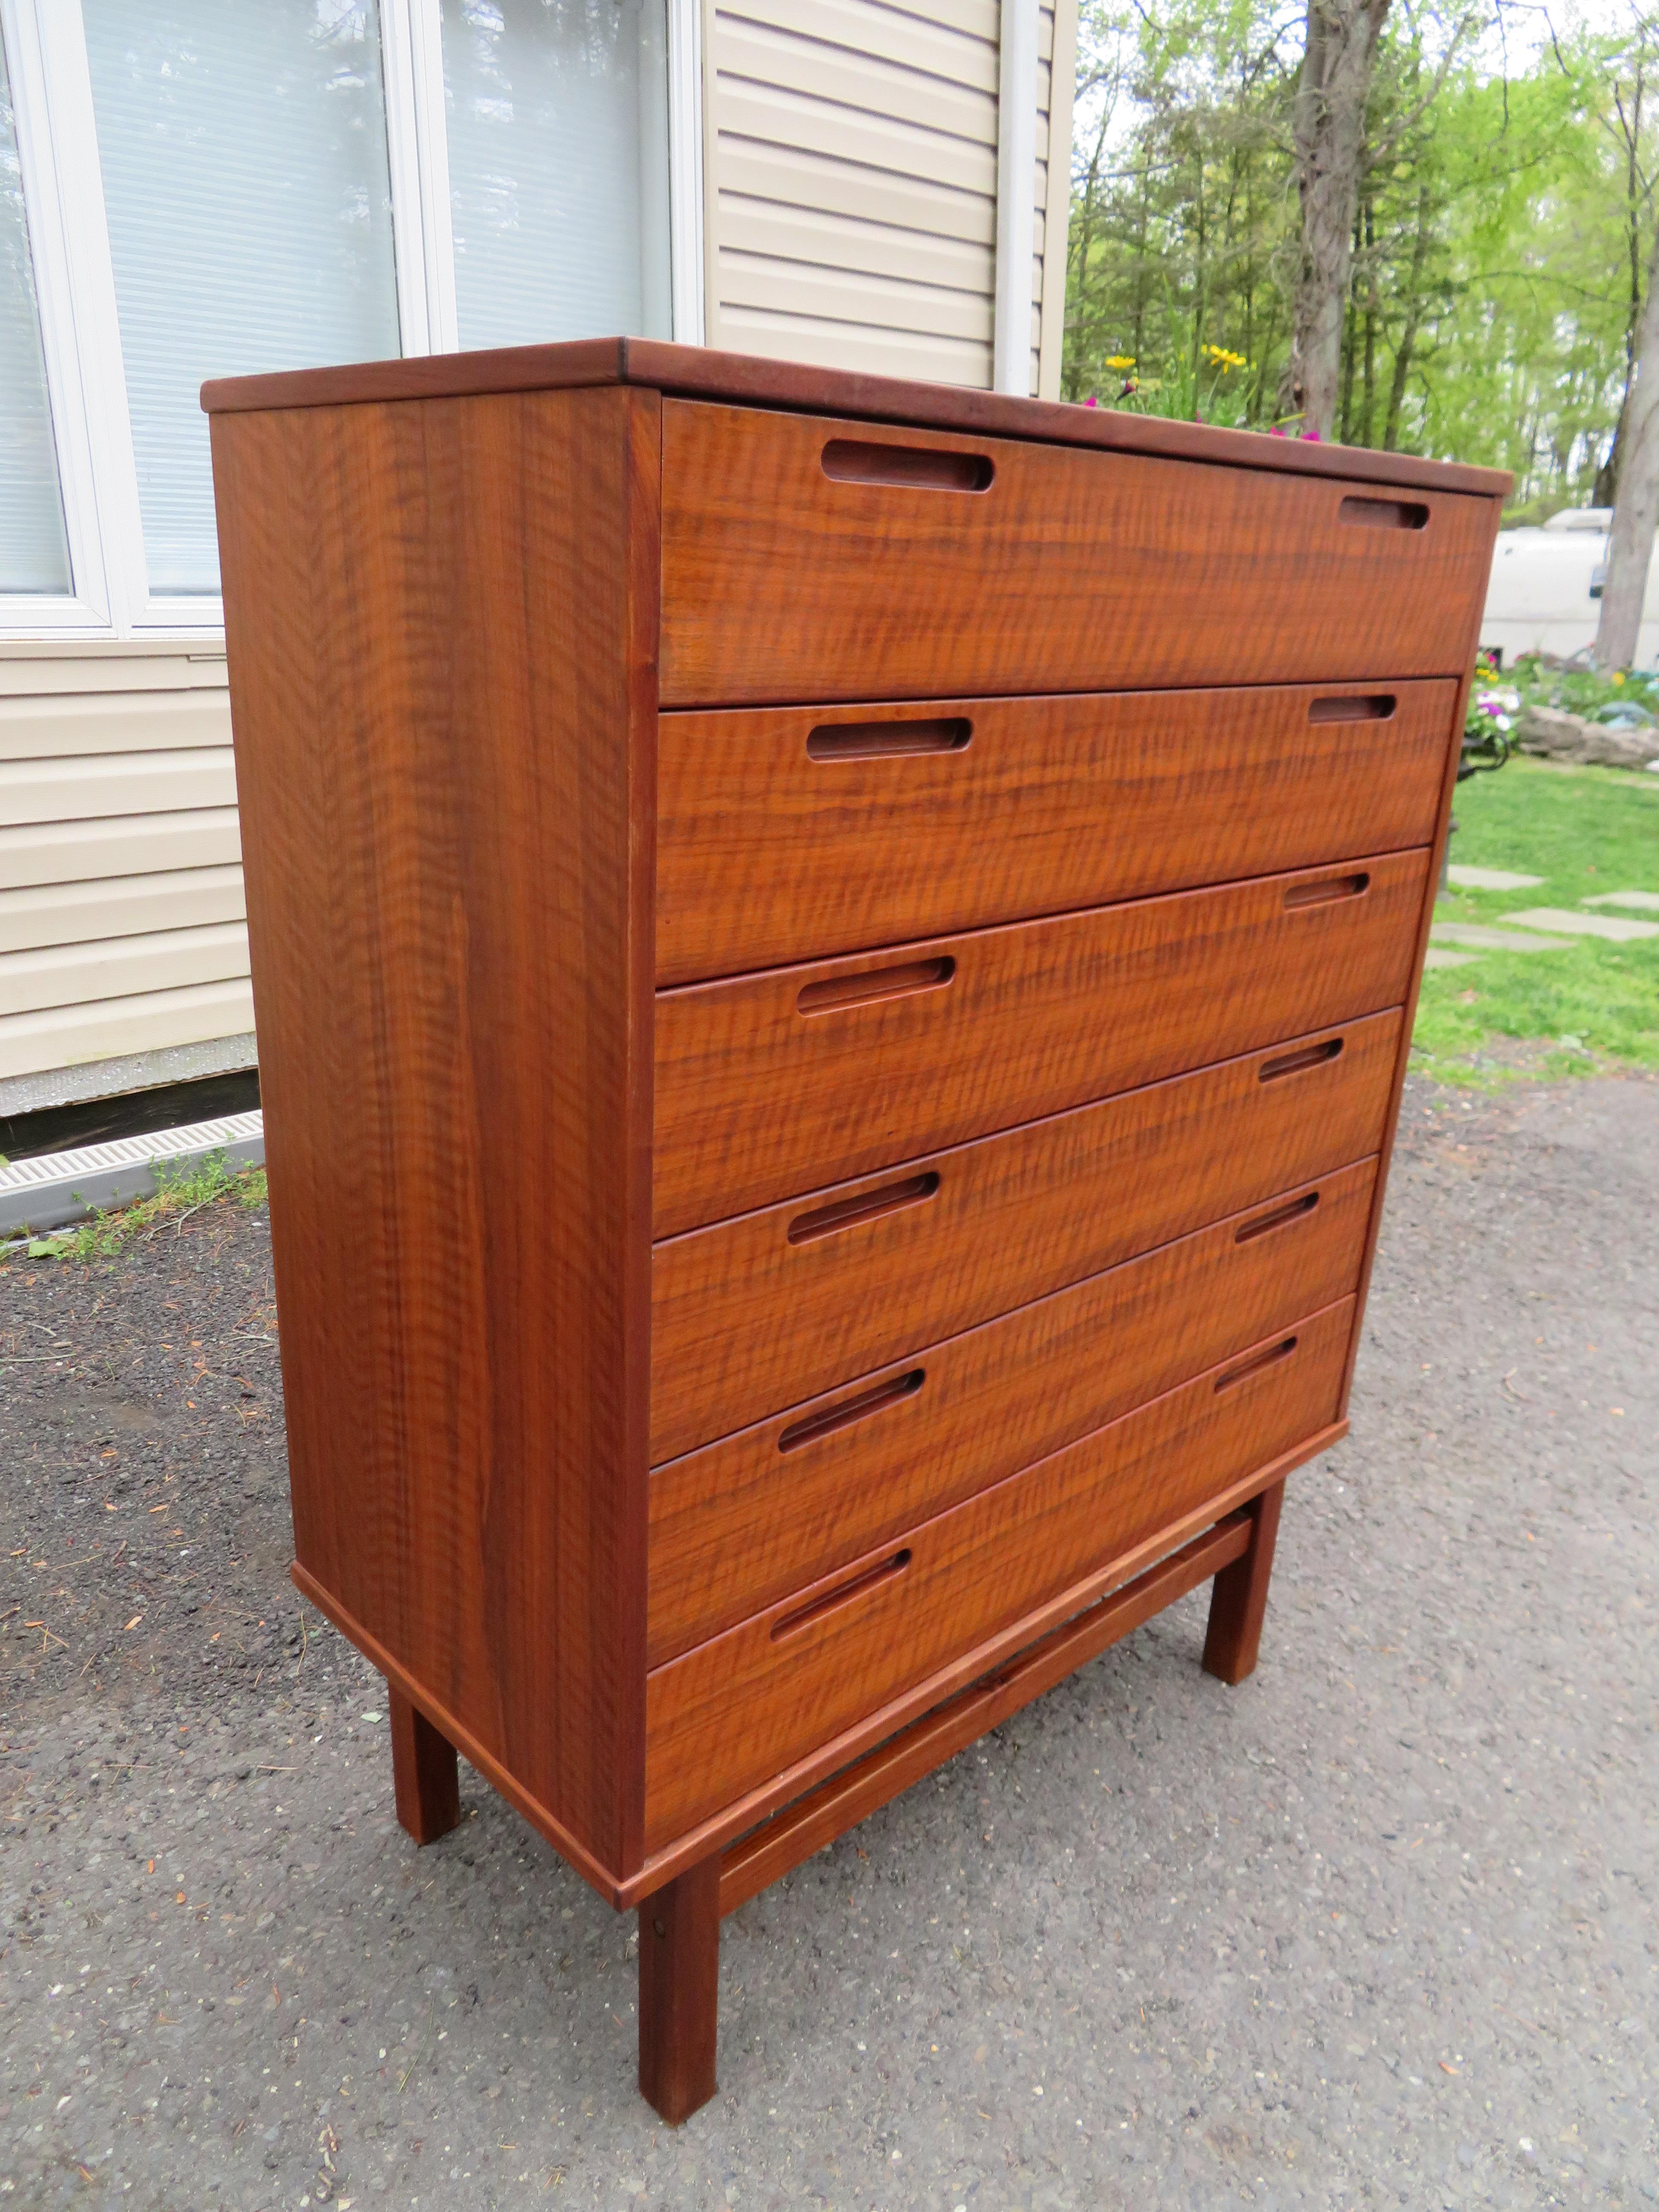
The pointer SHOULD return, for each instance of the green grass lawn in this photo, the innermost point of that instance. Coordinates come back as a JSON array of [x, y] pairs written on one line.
[[1584, 831]]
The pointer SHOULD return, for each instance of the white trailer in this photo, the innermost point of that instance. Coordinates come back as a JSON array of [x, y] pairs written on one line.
[[1545, 595]]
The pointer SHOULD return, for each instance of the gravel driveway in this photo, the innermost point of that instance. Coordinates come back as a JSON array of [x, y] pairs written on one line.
[[1376, 1928]]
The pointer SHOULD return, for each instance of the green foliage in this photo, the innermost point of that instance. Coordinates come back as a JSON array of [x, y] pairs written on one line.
[[179, 1192], [1179, 212], [1585, 691], [1583, 830], [1505, 226]]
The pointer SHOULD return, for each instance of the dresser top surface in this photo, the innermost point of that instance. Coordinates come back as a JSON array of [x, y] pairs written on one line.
[[744, 379]]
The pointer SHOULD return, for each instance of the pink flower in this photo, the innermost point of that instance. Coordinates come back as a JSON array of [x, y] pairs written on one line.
[[1091, 401]]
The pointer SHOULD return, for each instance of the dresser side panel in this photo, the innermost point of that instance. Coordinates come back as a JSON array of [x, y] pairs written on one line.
[[441, 621]]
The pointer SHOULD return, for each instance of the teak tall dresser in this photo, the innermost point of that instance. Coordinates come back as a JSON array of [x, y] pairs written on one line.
[[832, 960]]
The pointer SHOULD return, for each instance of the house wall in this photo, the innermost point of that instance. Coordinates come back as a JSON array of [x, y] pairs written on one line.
[[121, 916], [850, 178]]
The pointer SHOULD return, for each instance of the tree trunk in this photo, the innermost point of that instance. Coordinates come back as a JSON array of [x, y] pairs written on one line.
[[1368, 416], [1331, 95], [1631, 549], [1402, 356], [1605, 492]]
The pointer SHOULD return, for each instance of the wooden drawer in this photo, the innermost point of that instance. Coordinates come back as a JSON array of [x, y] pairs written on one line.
[[746, 1521], [747, 1317], [742, 1707], [805, 557], [779, 1083], [787, 833]]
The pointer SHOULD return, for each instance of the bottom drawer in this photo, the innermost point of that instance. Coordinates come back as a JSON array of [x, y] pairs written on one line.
[[740, 1708]]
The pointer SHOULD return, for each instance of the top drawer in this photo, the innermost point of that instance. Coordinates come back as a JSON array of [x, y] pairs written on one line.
[[806, 558]]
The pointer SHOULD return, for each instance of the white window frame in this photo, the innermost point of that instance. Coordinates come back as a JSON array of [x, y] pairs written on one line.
[[75, 286]]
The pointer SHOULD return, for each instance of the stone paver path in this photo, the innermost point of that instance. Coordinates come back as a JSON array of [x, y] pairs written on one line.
[[1491, 879], [1614, 927], [1493, 940]]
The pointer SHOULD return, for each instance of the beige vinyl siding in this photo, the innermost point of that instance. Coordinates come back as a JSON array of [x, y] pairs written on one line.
[[86, 913], [115, 1029], [45, 853], [851, 186], [122, 925], [851, 156]]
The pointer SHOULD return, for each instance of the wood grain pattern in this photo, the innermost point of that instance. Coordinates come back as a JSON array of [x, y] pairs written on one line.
[[704, 371], [769, 852], [757, 1099], [1053, 1035], [425, 1778], [1232, 1641], [1074, 571], [766, 1854], [446, 784], [744, 1521], [743, 1322], [746, 1704], [680, 1992], [493, 370]]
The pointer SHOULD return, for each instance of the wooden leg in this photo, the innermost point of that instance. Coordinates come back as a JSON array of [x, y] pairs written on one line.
[[1239, 1596], [680, 1992], [423, 1772]]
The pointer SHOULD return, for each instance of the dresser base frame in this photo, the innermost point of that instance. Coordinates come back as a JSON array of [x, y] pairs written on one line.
[[679, 1924]]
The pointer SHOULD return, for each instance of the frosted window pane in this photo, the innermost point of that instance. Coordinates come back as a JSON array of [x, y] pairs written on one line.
[[558, 167], [33, 553], [243, 149]]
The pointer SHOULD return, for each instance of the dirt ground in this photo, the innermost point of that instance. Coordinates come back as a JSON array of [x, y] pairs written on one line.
[[1377, 1928]]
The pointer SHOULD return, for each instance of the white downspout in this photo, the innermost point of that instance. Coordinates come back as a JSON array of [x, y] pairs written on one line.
[[1016, 195]]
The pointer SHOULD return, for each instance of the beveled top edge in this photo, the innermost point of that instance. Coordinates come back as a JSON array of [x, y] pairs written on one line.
[[702, 373]]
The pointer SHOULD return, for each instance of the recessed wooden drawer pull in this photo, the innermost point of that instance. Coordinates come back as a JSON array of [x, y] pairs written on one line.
[[851, 1409], [916, 468], [871, 1579], [869, 990], [1327, 894], [1363, 706], [1296, 1209], [1255, 1365], [849, 1212], [1293, 1063], [843, 741], [1384, 514]]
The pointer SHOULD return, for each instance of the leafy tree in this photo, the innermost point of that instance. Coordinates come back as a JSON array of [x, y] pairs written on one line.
[[1497, 250]]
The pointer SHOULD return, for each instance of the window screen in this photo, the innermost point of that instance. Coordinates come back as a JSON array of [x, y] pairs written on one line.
[[34, 551], [243, 149], [557, 113]]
